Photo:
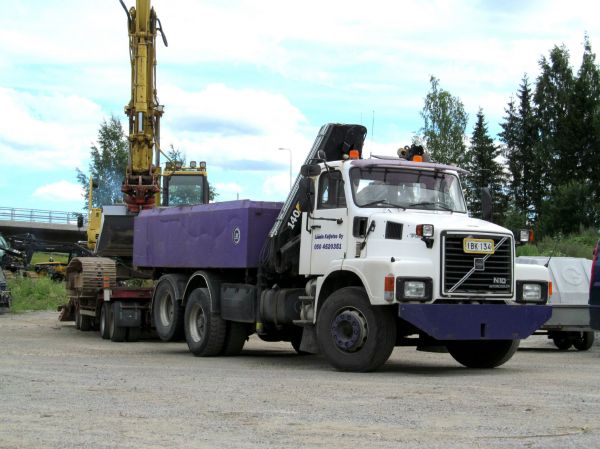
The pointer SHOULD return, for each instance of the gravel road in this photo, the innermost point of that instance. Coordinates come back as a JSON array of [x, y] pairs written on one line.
[[60, 387]]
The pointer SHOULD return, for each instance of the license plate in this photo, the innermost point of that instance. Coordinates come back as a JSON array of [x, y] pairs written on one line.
[[478, 246]]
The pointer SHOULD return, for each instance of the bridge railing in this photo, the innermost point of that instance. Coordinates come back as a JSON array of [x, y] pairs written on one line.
[[41, 216]]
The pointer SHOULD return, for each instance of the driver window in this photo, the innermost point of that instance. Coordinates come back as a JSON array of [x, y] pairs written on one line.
[[331, 191]]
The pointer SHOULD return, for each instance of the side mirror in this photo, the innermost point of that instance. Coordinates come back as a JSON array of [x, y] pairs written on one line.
[[486, 204], [310, 170], [306, 196], [80, 221], [94, 183]]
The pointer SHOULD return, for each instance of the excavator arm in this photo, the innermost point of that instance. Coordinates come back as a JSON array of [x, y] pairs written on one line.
[[142, 179]]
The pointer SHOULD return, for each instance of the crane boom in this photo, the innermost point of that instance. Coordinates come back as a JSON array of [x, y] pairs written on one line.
[[142, 182]]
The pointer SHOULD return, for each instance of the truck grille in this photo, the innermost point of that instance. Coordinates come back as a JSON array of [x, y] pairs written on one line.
[[466, 274]]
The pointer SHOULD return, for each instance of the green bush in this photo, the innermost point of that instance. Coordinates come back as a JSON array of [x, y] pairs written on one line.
[[579, 244], [36, 294]]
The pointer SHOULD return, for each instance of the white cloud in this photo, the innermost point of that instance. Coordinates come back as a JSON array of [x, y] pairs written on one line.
[[223, 125], [277, 187], [65, 66], [59, 191], [46, 132]]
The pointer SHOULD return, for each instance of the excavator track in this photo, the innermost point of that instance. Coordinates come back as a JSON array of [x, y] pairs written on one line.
[[86, 276]]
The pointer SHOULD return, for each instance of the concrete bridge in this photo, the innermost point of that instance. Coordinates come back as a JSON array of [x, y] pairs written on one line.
[[54, 226]]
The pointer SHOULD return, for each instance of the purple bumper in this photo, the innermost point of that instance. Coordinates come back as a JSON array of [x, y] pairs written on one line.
[[476, 321], [220, 235]]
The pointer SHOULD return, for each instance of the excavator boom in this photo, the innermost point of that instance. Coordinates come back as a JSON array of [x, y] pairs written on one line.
[[141, 182]]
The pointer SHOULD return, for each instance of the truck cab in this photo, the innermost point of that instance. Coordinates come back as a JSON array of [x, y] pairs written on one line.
[[397, 234], [409, 220]]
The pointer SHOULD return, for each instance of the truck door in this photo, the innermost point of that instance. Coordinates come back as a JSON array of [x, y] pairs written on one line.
[[328, 223]]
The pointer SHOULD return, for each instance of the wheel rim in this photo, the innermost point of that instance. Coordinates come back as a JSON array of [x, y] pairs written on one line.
[[349, 330], [197, 323], [167, 309]]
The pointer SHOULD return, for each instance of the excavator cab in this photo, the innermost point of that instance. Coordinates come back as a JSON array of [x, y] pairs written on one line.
[[184, 186]]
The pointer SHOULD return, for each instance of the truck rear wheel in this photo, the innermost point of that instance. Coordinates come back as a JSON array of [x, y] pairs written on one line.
[[482, 353], [352, 334], [204, 330], [104, 321], [167, 313], [583, 341], [116, 333]]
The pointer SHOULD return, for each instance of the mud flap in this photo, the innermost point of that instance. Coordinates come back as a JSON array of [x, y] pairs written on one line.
[[476, 321], [127, 315]]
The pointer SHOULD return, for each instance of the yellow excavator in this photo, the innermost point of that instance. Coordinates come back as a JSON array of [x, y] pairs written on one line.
[[110, 229]]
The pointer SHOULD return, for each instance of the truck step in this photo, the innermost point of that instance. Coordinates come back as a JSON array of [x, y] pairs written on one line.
[[303, 322]]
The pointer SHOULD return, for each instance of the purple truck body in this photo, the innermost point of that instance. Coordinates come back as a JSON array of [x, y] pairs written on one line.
[[220, 235]]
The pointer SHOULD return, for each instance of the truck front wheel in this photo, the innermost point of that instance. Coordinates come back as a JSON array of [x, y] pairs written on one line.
[[167, 313], [352, 334], [482, 353], [204, 331]]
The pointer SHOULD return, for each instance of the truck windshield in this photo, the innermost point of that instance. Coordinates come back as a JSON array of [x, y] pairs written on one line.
[[407, 189]]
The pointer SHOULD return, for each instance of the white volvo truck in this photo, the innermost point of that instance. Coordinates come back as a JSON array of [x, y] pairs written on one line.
[[365, 255]]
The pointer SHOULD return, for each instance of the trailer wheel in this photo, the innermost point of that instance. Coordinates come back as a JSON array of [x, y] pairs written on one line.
[[352, 334], [584, 341], [77, 318], [85, 323], [482, 353], [133, 334], [117, 333], [562, 340], [104, 321], [204, 330], [167, 313], [235, 338]]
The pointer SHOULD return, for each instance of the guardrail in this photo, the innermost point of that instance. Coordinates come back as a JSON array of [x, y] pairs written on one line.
[[41, 216]]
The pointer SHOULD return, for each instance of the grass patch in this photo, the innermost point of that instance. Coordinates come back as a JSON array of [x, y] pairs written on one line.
[[45, 257], [36, 294]]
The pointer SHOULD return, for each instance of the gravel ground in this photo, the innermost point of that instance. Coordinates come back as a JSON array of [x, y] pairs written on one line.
[[63, 388]]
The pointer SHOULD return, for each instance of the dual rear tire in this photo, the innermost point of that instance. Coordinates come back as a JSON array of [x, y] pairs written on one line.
[[206, 333], [110, 330]]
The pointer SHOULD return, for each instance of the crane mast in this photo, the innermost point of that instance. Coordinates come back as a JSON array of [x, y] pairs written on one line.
[[142, 179]]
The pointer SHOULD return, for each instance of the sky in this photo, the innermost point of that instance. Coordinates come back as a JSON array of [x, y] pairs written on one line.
[[241, 79]]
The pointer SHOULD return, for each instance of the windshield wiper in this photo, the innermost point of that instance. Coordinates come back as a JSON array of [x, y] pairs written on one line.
[[383, 203], [431, 203]]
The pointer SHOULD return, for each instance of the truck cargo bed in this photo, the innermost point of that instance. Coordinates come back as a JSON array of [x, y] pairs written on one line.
[[220, 235]]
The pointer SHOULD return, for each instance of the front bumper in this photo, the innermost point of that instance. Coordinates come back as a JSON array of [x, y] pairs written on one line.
[[475, 321]]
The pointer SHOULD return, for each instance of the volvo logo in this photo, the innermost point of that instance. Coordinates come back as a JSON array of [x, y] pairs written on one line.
[[479, 264], [236, 236]]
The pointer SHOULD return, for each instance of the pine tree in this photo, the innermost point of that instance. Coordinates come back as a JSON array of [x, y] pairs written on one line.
[[586, 121], [485, 170], [445, 121], [553, 101]]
